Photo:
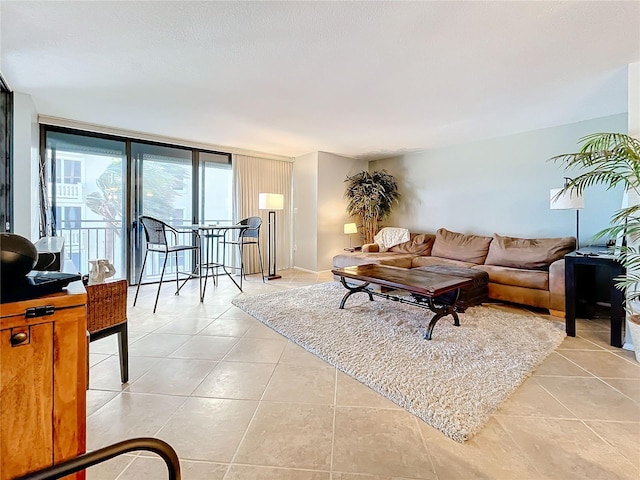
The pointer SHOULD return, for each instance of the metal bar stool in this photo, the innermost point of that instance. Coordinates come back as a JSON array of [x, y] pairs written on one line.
[[156, 236]]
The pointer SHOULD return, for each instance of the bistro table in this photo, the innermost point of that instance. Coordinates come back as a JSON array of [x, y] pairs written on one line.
[[205, 232]]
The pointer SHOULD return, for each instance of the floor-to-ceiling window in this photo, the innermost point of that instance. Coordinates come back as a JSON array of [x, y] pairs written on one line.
[[163, 178], [215, 178], [86, 190], [97, 186]]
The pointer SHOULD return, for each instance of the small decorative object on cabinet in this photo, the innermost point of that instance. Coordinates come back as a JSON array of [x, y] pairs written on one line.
[[43, 351], [101, 269]]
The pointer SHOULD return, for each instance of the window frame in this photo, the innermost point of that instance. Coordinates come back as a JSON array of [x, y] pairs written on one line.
[[47, 212], [6, 157]]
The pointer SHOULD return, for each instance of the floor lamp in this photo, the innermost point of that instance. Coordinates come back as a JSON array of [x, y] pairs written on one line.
[[271, 202], [569, 200]]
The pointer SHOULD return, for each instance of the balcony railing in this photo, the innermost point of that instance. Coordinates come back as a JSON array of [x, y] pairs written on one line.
[[85, 240], [90, 239], [68, 191]]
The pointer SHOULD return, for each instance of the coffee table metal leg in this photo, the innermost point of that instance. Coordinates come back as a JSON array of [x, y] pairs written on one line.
[[442, 311], [352, 290]]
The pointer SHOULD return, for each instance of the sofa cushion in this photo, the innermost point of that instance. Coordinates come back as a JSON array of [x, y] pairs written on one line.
[[423, 261], [519, 277], [533, 253], [521, 295], [370, 247], [420, 244], [394, 259], [460, 246]]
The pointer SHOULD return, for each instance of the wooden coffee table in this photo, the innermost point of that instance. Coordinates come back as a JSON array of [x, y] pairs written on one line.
[[426, 288]]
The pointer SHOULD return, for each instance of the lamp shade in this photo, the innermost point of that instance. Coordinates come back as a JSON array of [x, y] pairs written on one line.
[[567, 201], [350, 228], [270, 201]]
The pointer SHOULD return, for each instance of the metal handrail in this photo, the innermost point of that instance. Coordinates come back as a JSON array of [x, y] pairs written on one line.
[[86, 460]]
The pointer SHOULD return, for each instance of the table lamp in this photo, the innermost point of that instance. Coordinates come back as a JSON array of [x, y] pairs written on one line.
[[350, 229]]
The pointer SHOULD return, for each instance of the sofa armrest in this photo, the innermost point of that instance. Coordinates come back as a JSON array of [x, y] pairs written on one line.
[[557, 288], [370, 247]]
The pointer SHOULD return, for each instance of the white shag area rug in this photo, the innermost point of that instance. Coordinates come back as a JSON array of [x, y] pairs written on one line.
[[453, 382]]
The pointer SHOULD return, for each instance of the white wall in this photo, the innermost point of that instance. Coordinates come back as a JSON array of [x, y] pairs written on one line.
[[332, 205], [634, 99], [320, 208], [500, 185], [305, 208], [25, 167]]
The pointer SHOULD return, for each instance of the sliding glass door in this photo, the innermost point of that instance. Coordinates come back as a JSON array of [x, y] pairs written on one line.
[[95, 187], [163, 178], [215, 187], [86, 191]]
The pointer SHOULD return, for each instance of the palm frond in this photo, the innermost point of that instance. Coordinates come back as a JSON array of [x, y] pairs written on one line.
[[611, 159], [608, 159]]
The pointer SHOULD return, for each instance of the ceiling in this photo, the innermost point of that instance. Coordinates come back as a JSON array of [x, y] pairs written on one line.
[[361, 79]]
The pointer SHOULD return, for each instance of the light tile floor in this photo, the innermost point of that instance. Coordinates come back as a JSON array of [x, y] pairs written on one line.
[[238, 401]]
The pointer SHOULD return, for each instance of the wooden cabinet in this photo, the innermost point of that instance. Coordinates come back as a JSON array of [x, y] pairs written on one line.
[[43, 352]]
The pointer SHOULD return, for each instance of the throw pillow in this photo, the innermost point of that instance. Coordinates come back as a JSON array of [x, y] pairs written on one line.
[[420, 244], [460, 246]]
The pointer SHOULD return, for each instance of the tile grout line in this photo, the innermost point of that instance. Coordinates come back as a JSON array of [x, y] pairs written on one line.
[[523, 451], [601, 379], [606, 442], [255, 412], [333, 426], [426, 446], [583, 421], [126, 467], [590, 375], [601, 349]]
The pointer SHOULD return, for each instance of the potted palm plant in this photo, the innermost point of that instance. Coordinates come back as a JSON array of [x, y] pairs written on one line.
[[371, 197], [613, 159]]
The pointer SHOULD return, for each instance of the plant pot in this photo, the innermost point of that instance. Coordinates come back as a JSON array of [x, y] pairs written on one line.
[[633, 323]]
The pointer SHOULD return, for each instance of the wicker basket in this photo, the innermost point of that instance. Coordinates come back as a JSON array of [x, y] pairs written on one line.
[[106, 305]]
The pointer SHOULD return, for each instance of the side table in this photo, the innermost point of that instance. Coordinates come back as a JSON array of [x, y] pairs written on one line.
[[610, 268]]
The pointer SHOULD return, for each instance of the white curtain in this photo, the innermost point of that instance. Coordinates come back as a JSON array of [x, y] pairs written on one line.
[[252, 176]]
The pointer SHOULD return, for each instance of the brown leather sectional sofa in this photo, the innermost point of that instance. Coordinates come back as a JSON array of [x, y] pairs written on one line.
[[527, 271]]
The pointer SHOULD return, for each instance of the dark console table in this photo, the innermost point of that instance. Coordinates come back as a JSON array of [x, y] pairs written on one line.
[[608, 267]]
